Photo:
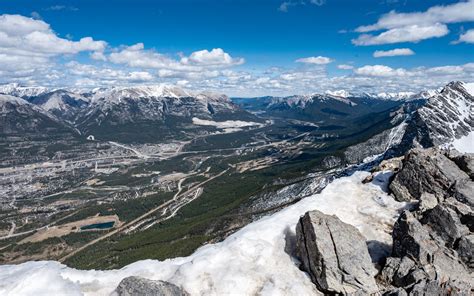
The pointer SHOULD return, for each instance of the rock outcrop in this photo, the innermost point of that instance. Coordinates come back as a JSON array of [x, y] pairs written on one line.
[[335, 255], [135, 285], [428, 171], [433, 242], [433, 245]]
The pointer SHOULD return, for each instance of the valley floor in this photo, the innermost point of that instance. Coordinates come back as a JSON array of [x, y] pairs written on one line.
[[256, 259]]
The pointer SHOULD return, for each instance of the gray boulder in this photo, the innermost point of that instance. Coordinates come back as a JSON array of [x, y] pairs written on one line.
[[426, 171], [138, 286], [335, 255]]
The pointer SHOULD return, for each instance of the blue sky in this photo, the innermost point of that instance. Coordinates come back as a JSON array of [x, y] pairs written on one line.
[[258, 44]]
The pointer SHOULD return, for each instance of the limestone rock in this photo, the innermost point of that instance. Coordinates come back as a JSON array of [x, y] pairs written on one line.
[[426, 171], [335, 255], [134, 285]]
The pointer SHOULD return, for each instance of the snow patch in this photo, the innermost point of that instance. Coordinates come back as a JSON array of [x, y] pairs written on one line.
[[470, 88], [464, 144], [251, 261], [228, 124]]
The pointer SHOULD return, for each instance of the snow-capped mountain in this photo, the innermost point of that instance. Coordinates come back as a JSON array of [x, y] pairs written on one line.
[[397, 96], [449, 115], [62, 103], [21, 118], [445, 118], [115, 94], [15, 89], [302, 101]]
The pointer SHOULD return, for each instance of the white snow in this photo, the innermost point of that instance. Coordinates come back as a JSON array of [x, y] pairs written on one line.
[[16, 89], [464, 144], [339, 93], [11, 99], [251, 261], [232, 124], [469, 87], [115, 94]]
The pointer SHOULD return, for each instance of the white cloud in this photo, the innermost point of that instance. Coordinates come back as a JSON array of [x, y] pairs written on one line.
[[28, 44], [467, 37], [216, 58], [27, 35], [393, 52], [319, 60], [345, 67], [454, 13], [416, 26], [137, 56], [412, 33], [380, 71]]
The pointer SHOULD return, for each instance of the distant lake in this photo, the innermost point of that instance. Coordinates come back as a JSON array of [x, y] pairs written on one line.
[[104, 225]]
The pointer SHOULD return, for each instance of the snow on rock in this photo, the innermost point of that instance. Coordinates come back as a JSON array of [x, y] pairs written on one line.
[[12, 100], [339, 93], [464, 144], [251, 261], [16, 89], [469, 88]]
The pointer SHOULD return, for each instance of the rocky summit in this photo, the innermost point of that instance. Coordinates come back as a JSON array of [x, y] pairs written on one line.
[[433, 243]]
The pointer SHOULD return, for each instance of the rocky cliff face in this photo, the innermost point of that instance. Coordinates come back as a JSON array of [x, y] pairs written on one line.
[[432, 121], [433, 244]]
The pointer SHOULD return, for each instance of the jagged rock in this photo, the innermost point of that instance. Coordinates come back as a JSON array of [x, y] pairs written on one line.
[[135, 285], [335, 255], [464, 161], [464, 192], [435, 287], [432, 252], [465, 250], [426, 171], [464, 212], [446, 223], [410, 238]]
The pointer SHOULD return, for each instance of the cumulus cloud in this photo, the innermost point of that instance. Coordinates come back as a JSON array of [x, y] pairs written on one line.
[[412, 33], [137, 56], [393, 52], [467, 37], [345, 67], [415, 26], [27, 43], [380, 71], [319, 60], [216, 57], [454, 13]]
